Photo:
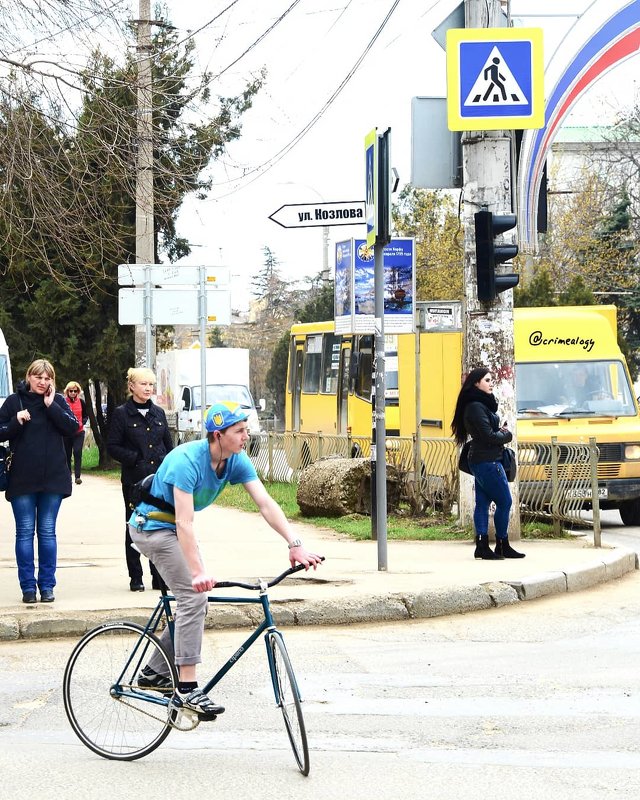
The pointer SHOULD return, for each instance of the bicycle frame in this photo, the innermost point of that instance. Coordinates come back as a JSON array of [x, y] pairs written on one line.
[[163, 610], [128, 728]]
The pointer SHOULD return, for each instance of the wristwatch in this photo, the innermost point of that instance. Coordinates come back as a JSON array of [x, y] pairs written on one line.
[[295, 543]]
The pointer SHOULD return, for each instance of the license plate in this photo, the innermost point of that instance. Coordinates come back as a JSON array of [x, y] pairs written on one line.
[[585, 494]]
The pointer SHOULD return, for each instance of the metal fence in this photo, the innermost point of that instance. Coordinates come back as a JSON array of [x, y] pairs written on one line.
[[556, 481]]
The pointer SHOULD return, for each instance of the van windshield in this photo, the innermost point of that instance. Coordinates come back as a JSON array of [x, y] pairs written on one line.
[[573, 388], [221, 392]]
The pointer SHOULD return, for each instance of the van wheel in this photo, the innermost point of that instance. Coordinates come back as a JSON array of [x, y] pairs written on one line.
[[630, 512]]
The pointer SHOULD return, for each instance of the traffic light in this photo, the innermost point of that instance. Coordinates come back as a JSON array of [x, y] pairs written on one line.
[[489, 254]]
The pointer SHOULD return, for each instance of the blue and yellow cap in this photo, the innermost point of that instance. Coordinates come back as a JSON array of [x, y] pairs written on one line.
[[223, 415]]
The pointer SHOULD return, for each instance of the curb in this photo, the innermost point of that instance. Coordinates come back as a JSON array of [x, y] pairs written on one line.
[[394, 607]]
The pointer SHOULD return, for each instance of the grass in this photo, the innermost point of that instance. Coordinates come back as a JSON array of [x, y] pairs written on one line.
[[357, 526]]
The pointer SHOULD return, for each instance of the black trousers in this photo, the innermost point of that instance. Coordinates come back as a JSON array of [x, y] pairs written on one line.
[[73, 445], [134, 562]]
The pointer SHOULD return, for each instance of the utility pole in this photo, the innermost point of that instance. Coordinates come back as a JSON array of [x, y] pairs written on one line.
[[145, 352], [487, 327]]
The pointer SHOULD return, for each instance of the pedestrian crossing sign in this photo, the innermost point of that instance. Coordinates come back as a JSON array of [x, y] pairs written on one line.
[[495, 79]]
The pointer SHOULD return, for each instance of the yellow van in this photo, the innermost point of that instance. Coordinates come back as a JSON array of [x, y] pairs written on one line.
[[572, 382]]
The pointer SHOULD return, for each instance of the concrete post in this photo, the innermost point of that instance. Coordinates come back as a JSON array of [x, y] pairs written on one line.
[[488, 328], [145, 241]]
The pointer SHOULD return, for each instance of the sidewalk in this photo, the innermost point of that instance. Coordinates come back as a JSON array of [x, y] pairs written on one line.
[[423, 579]]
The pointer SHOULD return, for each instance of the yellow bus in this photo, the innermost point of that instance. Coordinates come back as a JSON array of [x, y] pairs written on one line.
[[330, 375], [329, 390]]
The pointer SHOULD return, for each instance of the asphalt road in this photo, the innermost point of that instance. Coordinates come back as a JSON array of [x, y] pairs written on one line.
[[540, 700]]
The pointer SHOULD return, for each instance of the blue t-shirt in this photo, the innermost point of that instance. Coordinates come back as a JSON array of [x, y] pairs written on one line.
[[189, 468]]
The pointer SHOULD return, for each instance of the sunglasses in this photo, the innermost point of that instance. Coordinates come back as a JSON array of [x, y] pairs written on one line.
[[73, 391]]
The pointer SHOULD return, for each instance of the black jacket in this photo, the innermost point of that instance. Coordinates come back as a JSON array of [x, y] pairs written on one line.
[[487, 440], [138, 442], [39, 461]]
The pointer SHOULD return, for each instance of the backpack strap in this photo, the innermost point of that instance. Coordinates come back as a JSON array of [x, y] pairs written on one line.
[[158, 502]]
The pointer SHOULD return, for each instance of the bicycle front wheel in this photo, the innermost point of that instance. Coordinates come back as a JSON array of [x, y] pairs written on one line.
[[109, 712], [288, 698]]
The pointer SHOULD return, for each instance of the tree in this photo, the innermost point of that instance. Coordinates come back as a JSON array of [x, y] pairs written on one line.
[[215, 337], [430, 217], [270, 288], [67, 211]]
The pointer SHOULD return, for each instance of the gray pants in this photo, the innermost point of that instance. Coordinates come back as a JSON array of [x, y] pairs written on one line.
[[162, 547]]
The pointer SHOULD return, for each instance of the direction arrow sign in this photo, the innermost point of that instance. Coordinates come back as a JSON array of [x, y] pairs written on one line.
[[171, 274], [319, 215]]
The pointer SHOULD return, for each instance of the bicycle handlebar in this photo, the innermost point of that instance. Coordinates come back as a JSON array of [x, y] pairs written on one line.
[[256, 586]]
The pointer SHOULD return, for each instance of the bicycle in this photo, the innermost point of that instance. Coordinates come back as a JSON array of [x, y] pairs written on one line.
[[122, 721]]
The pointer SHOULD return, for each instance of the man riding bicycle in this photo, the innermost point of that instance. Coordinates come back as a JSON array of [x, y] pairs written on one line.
[[189, 479]]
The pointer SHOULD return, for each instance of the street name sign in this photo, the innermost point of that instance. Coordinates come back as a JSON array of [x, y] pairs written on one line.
[[171, 275], [495, 79], [179, 306], [316, 215]]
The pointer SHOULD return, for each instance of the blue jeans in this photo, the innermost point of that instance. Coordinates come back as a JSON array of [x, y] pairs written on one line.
[[491, 486], [30, 511]]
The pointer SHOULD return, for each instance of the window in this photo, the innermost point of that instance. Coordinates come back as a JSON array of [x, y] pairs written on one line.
[[330, 363], [312, 364], [365, 367]]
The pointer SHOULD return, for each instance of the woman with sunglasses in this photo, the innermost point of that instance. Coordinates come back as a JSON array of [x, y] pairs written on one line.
[[74, 444]]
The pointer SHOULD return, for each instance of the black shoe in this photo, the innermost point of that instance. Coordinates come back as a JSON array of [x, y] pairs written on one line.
[[46, 596], [504, 549], [197, 702], [29, 597], [148, 679], [78, 481], [483, 551], [136, 586]]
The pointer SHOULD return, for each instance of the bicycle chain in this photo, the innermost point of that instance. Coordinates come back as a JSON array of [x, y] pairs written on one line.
[[193, 722]]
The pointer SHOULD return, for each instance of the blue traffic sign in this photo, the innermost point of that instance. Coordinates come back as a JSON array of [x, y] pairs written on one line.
[[495, 78]]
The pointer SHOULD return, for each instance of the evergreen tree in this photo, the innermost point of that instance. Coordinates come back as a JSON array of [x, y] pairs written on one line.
[[68, 207]]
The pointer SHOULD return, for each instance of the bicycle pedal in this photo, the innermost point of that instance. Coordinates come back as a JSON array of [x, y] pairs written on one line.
[[183, 719]]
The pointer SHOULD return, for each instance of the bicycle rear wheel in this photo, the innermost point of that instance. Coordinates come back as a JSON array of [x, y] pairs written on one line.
[[288, 698], [107, 709]]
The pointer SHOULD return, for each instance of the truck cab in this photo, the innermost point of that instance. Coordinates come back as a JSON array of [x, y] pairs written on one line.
[[572, 383], [190, 415]]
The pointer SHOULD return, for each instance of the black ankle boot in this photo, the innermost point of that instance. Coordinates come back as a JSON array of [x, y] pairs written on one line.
[[504, 549], [483, 550]]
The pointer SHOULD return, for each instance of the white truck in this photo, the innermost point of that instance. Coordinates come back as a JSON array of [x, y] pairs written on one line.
[[6, 385], [227, 378]]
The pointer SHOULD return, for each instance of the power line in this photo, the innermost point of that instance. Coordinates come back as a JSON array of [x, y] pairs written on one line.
[[273, 160]]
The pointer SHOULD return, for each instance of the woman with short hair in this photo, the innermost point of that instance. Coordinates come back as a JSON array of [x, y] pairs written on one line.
[[139, 438], [74, 444]]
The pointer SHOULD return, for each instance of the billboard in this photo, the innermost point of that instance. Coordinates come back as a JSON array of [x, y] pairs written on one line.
[[354, 286]]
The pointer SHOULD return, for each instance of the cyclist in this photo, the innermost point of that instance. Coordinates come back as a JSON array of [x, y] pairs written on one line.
[[190, 478]]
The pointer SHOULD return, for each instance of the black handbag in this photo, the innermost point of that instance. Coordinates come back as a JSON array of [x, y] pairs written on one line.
[[5, 466], [509, 464], [463, 461]]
